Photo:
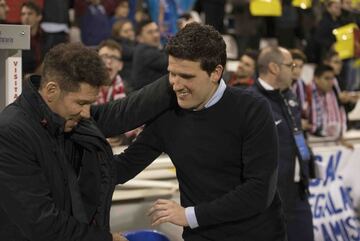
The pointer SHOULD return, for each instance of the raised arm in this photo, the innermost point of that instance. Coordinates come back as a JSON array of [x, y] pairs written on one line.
[[122, 115]]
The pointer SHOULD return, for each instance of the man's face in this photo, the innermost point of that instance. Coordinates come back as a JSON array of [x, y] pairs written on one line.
[[112, 60], [286, 68], [296, 73], [325, 82], [334, 9], [4, 8], [127, 31], [74, 106], [122, 10], [336, 63], [246, 67], [192, 85], [150, 35], [29, 17]]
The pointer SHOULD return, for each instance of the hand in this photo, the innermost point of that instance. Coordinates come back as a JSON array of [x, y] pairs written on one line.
[[119, 237], [114, 141], [343, 142], [163, 211]]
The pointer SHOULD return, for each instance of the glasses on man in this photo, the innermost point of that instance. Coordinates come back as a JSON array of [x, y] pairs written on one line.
[[292, 66], [105, 57]]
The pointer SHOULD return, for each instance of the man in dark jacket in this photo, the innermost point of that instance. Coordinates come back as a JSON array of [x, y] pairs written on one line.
[[57, 171], [148, 60], [275, 66]]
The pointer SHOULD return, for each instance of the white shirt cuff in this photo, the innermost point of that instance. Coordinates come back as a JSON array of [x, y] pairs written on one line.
[[191, 217]]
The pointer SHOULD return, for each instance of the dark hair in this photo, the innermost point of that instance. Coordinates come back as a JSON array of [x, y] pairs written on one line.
[[329, 54], [269, 55], [253, 54], [321, 69], [141, 25], [72, 64], [118, 25], [111, 44], [198, 42], [33, 6], [298, 54]]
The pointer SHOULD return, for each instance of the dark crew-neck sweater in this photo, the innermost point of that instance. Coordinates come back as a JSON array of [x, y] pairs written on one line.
[[226, 163]]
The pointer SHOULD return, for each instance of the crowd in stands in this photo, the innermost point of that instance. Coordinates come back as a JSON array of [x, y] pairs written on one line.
[[130, 36]]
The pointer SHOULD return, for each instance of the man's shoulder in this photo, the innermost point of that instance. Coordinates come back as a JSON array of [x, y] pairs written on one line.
[[13, 117], [245, 96]]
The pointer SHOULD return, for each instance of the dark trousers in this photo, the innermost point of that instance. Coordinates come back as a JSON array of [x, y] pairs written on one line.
[[298, 218]]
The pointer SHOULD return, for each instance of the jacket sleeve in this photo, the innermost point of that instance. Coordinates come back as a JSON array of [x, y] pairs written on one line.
[[259, 178], [141, 153], [125, 114], [27, 200]]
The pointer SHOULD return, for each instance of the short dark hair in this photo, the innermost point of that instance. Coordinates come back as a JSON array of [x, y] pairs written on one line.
[[253, 54], [111, 44], [141, 25], [73, 63], [198, 42], [298, 54], [33, 6], [269, 55], [321, 69]]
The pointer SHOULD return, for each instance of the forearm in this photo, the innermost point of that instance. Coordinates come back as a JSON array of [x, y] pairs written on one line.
[[133, 111]]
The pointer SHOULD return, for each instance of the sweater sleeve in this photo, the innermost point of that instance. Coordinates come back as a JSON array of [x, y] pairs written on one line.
[[141, 153], [125, 114], [259, 178], [26, 197]]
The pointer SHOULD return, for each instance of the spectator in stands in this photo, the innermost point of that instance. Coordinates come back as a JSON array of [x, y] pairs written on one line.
[[123, 33], [227, 193], [323, 39], [275, 69], [31, 59], [327, 115], [4, 9], [346, 98], [245, 73], [57, 172], [121, 11], [298, 85], [184, 19], [55, 23], [149, 62], [94, 24], [110, 52]]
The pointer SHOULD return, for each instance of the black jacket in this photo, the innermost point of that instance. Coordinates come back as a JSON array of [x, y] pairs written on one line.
[[39, 200], [287, 147], [149, 63]]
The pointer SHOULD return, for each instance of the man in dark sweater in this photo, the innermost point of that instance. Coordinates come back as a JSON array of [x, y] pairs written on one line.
[[275, 68], [223, 143]]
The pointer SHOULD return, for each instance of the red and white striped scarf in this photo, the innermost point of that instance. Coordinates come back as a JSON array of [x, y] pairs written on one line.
[[328, 118], [113, 92]]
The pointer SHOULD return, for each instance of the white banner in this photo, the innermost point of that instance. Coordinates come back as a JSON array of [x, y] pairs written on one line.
[[335, 199]]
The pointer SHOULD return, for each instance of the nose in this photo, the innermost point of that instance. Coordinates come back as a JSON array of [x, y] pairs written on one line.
[[85, 112]]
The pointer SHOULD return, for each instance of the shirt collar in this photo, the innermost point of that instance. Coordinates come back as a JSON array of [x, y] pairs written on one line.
[[265, 85], [217, 95]]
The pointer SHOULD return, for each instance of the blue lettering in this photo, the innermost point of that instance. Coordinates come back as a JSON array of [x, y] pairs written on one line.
[[332, 166], [351, 223], [346, 198], [325, 233]]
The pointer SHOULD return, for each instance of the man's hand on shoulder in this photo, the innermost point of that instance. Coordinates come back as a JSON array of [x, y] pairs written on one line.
[[119, 237]]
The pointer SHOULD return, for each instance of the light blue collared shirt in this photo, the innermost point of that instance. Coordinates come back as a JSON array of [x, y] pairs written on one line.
[[190, 211]]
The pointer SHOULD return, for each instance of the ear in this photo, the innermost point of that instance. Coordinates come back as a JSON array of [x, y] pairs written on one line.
[[273, 68], [216, 74], [51, 91]]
